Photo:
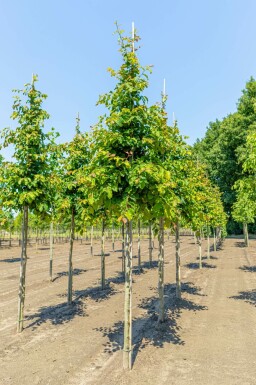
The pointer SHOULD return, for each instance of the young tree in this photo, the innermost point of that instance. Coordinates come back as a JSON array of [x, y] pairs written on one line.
[[25, 179]]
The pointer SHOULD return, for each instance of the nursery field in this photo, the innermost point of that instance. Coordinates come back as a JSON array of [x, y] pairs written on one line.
[[209, 336]]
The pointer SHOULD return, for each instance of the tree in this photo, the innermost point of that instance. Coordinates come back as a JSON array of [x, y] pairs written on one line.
[[24, 181], [225, 141]]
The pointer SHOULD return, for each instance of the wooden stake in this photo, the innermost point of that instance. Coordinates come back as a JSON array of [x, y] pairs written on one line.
[[51, 250], [70, 259], [177, 240], [23, 264], [103, 256], [127, 348]]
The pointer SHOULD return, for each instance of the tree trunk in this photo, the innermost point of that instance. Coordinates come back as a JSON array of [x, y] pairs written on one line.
[[161, 271], [70, 262], [123, 249], [214, 240], [200, 249], [177, 240], [51, 250], [150, 244], [127, 349], [92, 241], [208, 245], [113, 237], [103, 256], [246, 236], [23, 265], [139, 249]]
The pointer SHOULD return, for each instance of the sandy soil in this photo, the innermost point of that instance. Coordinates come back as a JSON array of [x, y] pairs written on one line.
[[209, 337]]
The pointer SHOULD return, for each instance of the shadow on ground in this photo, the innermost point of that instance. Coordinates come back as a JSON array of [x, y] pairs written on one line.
[[196, 265], [65, 273], [248, 269], [146, 329], [56, 314], [239, 244], [247, 296], [10, 260]]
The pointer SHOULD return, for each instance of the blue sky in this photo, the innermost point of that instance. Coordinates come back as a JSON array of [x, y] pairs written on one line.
[[204, 49]]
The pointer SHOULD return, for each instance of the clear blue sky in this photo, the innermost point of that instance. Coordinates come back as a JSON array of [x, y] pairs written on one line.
[[204, 49]]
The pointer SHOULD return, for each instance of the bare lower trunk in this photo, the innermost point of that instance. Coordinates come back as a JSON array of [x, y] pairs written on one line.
[[161, 271], [70, 259], [92, 241], [177, 240], [200, 249], [103, 256], [51, 250], [208, 245], [127, 349], [150, 244], [214, 240], [123, 249], [139, 249], [23, 264], [113, 238], [246, 236]]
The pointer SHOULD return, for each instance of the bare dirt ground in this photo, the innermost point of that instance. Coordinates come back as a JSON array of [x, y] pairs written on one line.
[[209, 337]]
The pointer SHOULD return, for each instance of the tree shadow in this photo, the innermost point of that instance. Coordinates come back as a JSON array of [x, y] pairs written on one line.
[[248, 269], [146, 329], [56, 314], [96, 293], [239, 244], [10, 260], [65, 273], [205, 258], [247, 296], [196, 265]]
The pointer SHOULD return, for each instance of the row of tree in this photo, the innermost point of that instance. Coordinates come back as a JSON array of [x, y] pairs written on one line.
[[228, 151], [132, 166]]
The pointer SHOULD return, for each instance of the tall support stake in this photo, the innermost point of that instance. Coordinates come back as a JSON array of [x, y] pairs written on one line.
[[161, 271], [70, 259], [51, 250], [133, 35], [127, 349], [103, 256], [177, 240], [23, 265], [139, 247], [150, 244], [123, 249]]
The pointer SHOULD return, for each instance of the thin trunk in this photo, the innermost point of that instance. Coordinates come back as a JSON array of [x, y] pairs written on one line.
[[70, 262], [139, 248], [195, 240], [214, 240], [113, 237], [103, 256], [127, 349], [177, 240], [150, 244], [123, 249], [23, 264], [92, 241], [208, 245], [51, 250], [246, 236], [200, 249], [161, 271]]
